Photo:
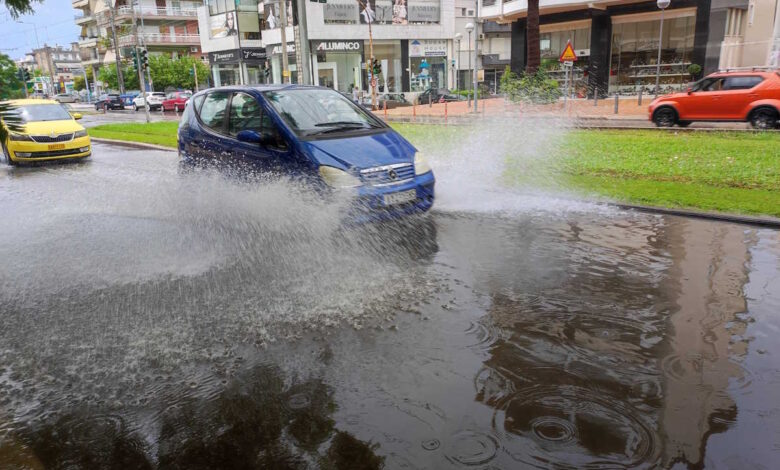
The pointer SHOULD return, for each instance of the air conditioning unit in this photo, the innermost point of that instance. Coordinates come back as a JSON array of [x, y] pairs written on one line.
[[481, 36], [194, 49]]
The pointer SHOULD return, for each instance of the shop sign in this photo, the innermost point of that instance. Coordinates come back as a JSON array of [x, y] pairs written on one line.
[[223, 57], [424, 12], [277, 49], [428, 48], [337, 46], [253, 54], [340, 11]]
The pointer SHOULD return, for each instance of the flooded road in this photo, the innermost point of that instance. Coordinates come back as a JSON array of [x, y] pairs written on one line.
[[155, 321]]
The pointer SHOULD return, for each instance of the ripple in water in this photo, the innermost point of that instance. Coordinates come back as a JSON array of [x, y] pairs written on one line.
[[573, 427], [472, 448]]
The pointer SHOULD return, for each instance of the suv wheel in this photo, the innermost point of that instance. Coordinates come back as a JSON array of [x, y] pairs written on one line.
[[665, 117], [764, 118]]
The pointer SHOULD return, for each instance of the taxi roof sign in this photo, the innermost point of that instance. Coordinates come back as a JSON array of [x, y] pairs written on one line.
[[568, 53]]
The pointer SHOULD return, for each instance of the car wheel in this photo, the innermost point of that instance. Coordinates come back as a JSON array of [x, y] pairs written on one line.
[[763, 118], [176, 108], [665, 117], [105, 108], [7, 155], [135, 107], [684, 123]]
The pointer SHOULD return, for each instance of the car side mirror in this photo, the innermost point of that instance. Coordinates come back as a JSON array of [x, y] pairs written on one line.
[[76, 116], [689, 90], [250, 137]]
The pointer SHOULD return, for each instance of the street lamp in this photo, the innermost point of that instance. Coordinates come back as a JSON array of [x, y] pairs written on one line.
[[662, 4], [458, 37], [469, 29]]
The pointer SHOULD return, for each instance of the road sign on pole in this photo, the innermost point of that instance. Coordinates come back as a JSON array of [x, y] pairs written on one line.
[[568, 54]]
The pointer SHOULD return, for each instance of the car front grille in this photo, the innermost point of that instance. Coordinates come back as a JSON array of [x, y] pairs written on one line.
[[387, 175], [47, 139], [54, 153]]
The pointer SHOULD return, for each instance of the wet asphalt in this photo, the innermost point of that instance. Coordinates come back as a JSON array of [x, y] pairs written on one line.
[[158, 320]]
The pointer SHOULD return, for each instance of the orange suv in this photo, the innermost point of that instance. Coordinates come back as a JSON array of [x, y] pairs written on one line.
[[752, 96]]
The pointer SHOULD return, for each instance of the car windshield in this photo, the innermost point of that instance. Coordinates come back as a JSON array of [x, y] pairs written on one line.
[[43, 112], [317, 111]]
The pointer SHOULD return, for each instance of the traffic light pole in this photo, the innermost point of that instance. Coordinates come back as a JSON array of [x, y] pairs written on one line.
[[370, 67], [140, 68], [119, 76]]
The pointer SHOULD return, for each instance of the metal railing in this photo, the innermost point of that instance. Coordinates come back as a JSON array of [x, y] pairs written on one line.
[[160, 38], [156, 11]]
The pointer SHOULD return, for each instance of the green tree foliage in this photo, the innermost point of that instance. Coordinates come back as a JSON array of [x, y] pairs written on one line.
[[535, 87], [177, 73], [107, 75], [10, 86], [78, 83], [18, 7]]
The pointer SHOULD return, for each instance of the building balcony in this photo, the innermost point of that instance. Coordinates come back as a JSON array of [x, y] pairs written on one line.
[[154, 12], [86, 42], [80, 3], [83, 19], [160, 39], [509, 10]]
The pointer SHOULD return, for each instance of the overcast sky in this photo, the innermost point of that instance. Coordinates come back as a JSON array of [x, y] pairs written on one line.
[[52, 18]]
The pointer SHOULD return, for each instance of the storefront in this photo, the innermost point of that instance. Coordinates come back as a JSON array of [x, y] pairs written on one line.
[[275, 58], [427, 64], [337, 64], [226, 66], [552, 41], [388, 54], [633, 63], [256, 65]]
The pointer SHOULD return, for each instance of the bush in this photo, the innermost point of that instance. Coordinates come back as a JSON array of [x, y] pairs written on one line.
[[466, 93], [535, 88]]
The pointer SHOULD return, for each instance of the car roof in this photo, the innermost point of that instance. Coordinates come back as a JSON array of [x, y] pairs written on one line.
[[27, 102], [267, 87], [728, 73]]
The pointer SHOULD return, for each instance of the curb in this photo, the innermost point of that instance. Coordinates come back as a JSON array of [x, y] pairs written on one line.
[[767, 222], [133, 145]]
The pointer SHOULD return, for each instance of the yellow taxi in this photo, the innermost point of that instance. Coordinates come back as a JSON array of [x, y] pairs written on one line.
[[50, 132]]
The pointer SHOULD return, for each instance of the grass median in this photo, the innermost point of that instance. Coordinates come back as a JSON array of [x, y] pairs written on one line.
[[734, 172]]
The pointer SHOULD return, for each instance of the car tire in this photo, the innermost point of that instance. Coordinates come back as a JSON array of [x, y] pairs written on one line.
[[135, 107], [105, 108], [684, 123], [176, 108], [764, 118], [7, 155], [665, 116]]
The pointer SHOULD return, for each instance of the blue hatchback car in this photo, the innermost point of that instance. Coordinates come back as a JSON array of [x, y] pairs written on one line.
[[308, 131]]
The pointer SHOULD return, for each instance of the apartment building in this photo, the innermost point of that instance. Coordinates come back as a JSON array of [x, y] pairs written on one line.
[[167, 27], [617, 42], [58, 64], [412, 41]]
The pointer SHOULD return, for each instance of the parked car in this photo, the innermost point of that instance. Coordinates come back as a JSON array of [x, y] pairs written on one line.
[[176, 100], [392, 100], [128, 98], [314, 133], [436, 95], [751, 96], [50, 133], [155, 100], [67, 98], [108, 101]]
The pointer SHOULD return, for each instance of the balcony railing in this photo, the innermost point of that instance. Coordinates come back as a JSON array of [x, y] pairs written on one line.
[[155, 11], [161, 39], [83, 18]]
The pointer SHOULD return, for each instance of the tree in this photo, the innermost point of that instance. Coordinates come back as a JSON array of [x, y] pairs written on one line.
[[10, 85], [78, 83], [18, 7], [532, 24], [107, 75], [176, 73]]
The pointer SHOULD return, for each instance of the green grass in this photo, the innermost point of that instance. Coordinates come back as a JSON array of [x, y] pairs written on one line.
[[715, 171], [159, 133]]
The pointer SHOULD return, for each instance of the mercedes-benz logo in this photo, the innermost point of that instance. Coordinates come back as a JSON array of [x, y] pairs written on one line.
[[392, 174]]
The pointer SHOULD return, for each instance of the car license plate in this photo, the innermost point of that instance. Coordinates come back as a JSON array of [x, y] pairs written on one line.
[[400, 198], [56, 146]]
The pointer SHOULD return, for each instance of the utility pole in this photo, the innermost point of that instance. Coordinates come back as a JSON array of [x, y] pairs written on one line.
[[50, 64], [476, 41], [139, 68], [370, 66], [285, 63], [143, 43], [195, 74], [120, 78], [304, 65]]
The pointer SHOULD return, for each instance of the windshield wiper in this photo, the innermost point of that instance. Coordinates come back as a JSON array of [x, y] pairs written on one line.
[[338, 126], [342, 124]]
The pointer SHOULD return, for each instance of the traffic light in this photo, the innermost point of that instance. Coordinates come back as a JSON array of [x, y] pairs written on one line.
[[144, 59], [26, 74], [134, 54], [376, 67]]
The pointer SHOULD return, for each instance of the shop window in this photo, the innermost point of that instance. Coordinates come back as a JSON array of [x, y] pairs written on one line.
[[427, 73], [634, 55]]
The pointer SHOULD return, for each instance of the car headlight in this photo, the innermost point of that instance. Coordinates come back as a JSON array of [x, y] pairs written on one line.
[[20, 137], [338, 178], [421, 166], [81, 133]]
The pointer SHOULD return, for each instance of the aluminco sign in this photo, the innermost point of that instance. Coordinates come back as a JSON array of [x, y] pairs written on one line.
[[338, 46]]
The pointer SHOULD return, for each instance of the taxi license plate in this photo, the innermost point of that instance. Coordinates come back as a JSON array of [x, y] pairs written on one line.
[[400, 198], [56, 146]]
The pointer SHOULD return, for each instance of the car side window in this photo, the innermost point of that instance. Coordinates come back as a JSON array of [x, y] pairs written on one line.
[[213, 110], [742, 83], [271, 133], [245, 114], [197, 101], [715, 85]]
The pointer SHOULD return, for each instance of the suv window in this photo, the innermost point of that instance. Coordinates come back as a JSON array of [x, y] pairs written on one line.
[[742, 83], [245, 114], [711, 84], [213, 110]]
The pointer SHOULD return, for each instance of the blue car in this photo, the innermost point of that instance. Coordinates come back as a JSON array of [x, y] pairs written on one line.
[[312, 132]]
